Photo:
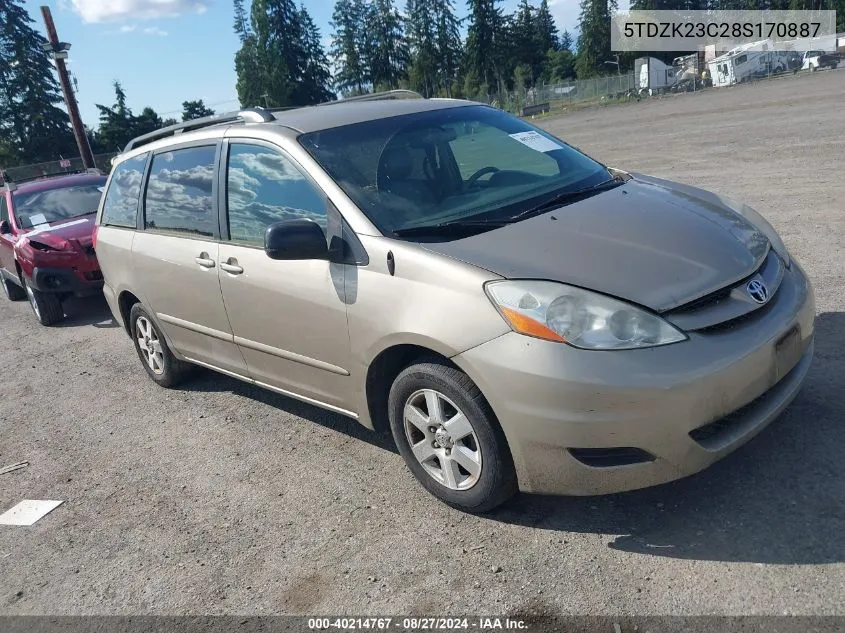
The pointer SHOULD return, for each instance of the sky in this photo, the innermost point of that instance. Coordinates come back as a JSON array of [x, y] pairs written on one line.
[[165, 52]]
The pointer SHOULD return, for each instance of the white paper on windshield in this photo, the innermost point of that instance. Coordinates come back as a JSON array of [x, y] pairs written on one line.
[[37, 219], [536, 141]]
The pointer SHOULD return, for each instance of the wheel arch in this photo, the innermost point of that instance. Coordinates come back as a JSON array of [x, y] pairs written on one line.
[[125, 301], [382, 371]]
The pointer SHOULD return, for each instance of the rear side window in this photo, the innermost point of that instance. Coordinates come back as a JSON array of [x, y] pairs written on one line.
[[121, 205], [179, 192], [4, 209]]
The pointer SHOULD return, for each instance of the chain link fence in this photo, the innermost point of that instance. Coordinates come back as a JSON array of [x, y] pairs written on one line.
[[56, 167]]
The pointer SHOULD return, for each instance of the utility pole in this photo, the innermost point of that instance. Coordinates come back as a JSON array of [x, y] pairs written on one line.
[[58, 53]]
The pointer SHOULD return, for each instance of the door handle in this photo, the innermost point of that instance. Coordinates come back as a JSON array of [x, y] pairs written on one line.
[[231, 266], [204, 260]]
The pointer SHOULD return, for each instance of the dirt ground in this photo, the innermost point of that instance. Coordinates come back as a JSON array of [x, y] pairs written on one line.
[[222, 498]]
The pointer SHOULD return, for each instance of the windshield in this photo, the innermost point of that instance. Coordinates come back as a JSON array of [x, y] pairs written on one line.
[[449, 165], [53, 205]]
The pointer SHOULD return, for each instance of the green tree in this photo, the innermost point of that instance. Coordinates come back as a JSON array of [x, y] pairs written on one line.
[[422, 37], [448, 45], [566, 42], [559, 66], [195, 110], [32, 125], [546, 29], [386, 50], [486, 45], [241, 23], [348, 22], [116, 123], [594, 39], [528, 50], [281, 61], [146, 122], [315, 81]]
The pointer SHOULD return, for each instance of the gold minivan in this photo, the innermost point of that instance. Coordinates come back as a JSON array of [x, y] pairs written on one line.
[[515, 313]]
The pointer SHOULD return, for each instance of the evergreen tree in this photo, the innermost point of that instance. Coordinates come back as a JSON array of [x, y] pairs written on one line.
[[146, 122], [116, 123], [546, 29], [566, 41], [594, 39], [33, 127], [316, 78], [485, 45], [528, 51], [281, 61], [386, 51], [422, 37], [241, 23], [351, 73], [448, 45], [195, 110]]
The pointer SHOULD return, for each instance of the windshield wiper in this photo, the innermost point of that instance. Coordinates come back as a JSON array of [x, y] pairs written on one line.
[[455, 226], [567, 196]]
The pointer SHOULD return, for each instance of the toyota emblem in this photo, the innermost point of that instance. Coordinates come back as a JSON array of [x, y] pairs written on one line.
[[757, 290]]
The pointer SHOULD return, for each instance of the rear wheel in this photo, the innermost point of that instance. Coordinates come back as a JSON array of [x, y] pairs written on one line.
[[156, 357], [450, 438], [46, 306], [13, 291]]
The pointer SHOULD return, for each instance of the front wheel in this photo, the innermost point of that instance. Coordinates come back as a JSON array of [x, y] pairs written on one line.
[[46, 306], [449, 437]]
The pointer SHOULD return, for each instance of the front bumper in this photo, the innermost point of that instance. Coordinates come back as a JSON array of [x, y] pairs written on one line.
[[67, 281], [682, 406]]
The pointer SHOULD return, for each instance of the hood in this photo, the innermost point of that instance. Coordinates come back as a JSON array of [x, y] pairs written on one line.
[[58, 234], [647, 241]]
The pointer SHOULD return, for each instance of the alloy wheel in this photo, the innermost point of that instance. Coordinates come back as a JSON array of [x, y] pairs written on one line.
[[149, 344], [442, 439]]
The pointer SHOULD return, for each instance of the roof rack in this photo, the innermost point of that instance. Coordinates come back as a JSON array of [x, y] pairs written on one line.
[[377, 96], [249, 115]]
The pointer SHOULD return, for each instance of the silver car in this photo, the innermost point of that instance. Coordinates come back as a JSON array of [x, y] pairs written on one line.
[[516, 314]]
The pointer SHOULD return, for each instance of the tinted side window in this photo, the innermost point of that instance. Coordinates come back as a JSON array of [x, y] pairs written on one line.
[[121, 205], [265, 187], [179, 192], [4, 210]]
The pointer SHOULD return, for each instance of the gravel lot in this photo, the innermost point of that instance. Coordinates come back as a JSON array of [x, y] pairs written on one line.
[[222, 498]]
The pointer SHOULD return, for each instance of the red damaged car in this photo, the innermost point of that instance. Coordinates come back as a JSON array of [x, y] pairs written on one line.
[[46, 241]]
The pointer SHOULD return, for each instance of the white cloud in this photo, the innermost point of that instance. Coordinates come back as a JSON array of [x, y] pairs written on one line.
[[154, 30], [104, 10], [126, 28]]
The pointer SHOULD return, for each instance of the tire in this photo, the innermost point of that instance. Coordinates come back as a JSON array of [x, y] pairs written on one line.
[[482, 445], [46, 306], [164, 369], [13, 291]]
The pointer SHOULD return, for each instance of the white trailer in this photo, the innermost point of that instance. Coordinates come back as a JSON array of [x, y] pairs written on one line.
[[652, 74], [746, 62]]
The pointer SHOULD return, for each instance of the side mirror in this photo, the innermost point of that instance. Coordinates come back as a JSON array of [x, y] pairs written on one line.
[[295, 239], [5, 227]]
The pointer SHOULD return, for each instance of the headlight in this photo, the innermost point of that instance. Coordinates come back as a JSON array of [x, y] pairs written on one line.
[[557, 312], [761, 224]]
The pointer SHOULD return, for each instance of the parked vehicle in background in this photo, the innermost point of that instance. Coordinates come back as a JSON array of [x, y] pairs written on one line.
[[514, 312], [749, 61], [46, 250], [814, 60]]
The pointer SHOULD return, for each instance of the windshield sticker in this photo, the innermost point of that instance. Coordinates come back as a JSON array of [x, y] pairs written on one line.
[[536, 141], [37, 219]]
